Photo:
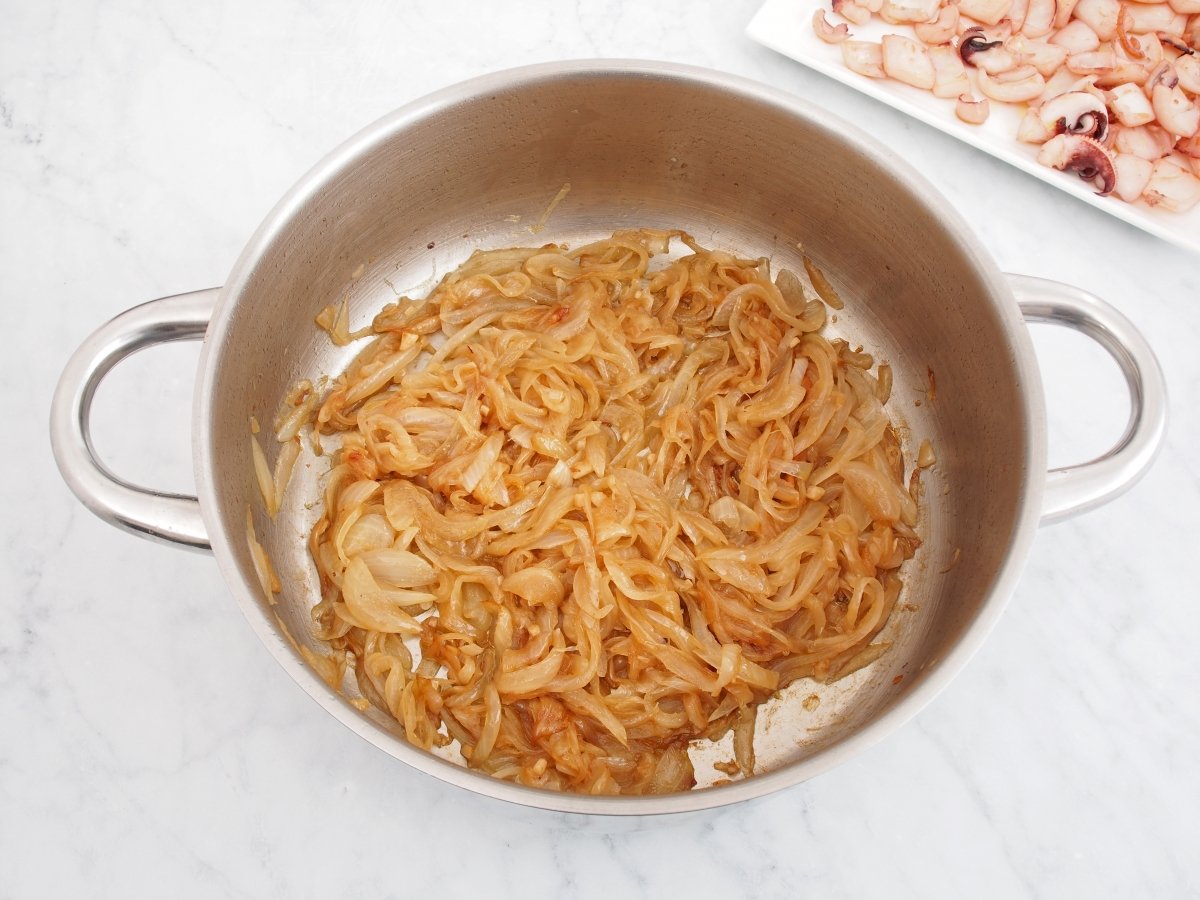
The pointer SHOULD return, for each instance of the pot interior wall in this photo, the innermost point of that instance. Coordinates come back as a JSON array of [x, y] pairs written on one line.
[[738, 172]]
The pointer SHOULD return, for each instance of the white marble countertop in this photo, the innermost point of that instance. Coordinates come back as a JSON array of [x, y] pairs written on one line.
[[150, 747]]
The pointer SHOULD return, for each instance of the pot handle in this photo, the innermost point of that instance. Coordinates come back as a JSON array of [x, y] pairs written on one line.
[[1075, 489], [169, 518]]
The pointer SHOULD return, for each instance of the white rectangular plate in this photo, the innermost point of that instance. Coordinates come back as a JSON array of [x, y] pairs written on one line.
[[786, 26]]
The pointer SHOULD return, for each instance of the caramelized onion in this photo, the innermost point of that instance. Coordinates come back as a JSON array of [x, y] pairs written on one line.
[[604, 508]]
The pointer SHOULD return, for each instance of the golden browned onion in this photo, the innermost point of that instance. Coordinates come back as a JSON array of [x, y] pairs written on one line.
[[584, 511]]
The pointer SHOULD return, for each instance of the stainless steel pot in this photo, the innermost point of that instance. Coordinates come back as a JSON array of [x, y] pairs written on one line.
[[739, 165]]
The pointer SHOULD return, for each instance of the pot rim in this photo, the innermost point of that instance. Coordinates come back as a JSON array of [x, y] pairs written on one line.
[[937, 676]]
